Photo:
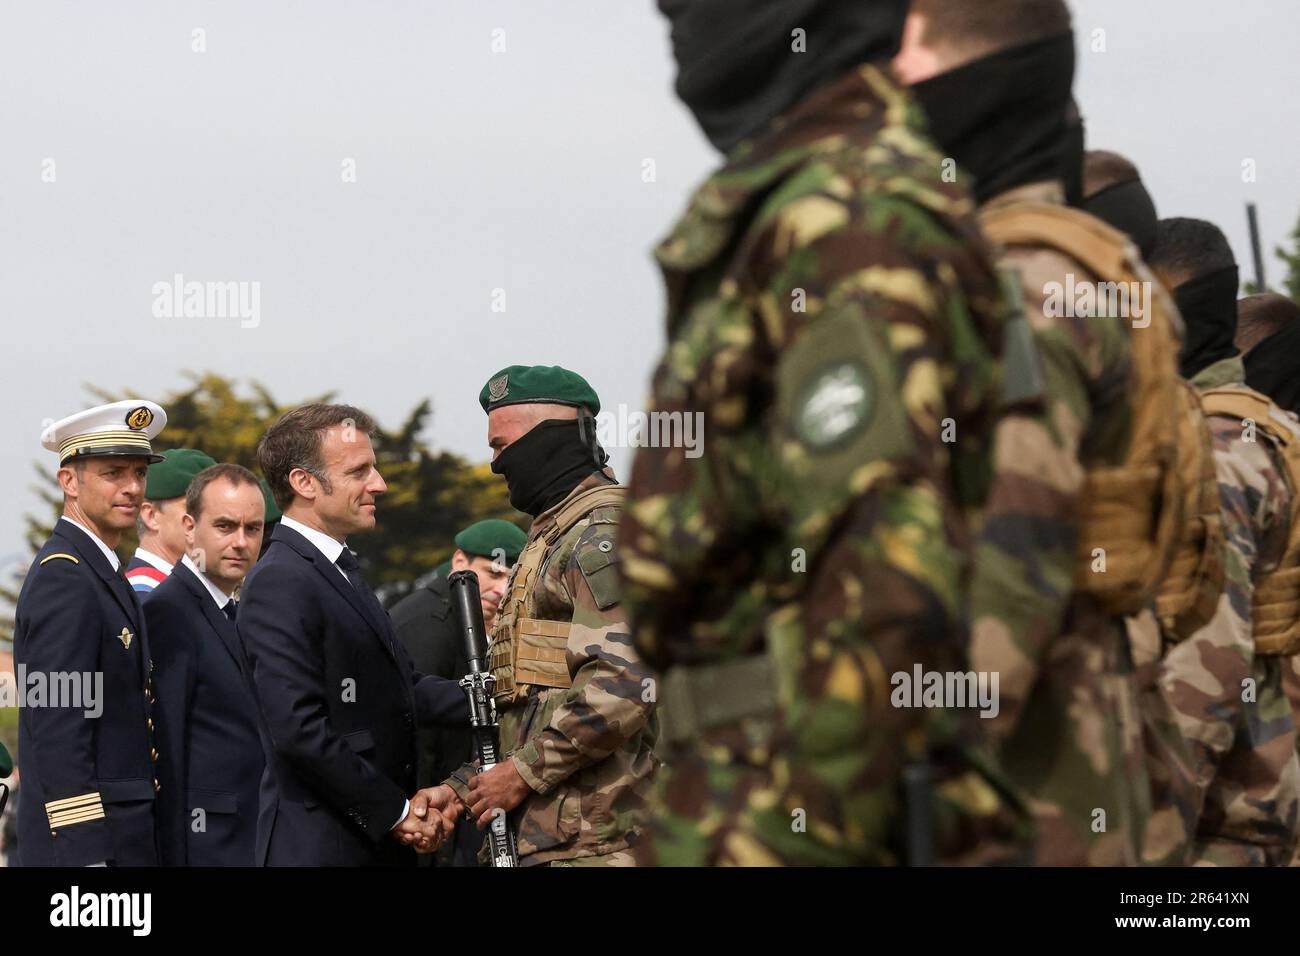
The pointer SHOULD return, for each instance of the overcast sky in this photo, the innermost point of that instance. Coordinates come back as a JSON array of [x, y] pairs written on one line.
[[475, 170]]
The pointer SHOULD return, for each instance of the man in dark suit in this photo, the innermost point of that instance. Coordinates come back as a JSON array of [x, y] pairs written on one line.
[[88, 764], [211, 754], [338, 698]]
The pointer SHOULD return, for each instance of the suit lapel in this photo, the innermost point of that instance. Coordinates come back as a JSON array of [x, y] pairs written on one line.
[[374, 617], [215, 617], [117, 585]]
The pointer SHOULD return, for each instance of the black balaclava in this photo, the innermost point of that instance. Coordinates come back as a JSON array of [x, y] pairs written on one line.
[[1208, 305], [547, 463], [1130, 209], [1008, 119], [1273, 367], [1073, 147], [737, 69]]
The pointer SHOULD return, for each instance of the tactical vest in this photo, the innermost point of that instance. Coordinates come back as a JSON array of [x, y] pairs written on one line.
[[1276, 604], [1132, 511], [526, 651], [1190, 594]]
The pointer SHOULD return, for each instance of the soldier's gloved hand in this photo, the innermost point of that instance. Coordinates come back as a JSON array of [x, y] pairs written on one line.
[[500, 788]]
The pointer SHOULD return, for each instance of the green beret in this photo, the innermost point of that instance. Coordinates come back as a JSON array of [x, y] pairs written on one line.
[[273, 512], [171, 477], [442, 570], [485, 537], [520, 384]]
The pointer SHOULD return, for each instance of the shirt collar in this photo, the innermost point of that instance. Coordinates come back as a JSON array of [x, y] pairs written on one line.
[[218, 595], [109, 553], [323, 542], [1229, 371], [148, 556]]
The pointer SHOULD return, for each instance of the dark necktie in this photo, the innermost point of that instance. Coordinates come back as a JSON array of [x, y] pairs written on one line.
[[347, 561], [230, 608]]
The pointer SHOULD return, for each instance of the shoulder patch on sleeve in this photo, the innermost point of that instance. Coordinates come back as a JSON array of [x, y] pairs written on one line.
[[597, 558], [66, 557]]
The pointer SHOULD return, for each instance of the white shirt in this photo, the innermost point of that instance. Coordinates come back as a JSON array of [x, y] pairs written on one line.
[[153, 559], [331, 549], [218, 595], [323, 542], [108, 552]]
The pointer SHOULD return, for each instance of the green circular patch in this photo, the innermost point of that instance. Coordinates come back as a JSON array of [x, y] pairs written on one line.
[[834, 406]]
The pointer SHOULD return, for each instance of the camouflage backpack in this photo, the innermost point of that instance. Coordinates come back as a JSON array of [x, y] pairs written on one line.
[[1276, 603], [1190, 595], [1133, 513]]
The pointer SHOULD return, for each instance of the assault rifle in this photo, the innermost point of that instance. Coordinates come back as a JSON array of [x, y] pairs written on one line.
[[478, 685]]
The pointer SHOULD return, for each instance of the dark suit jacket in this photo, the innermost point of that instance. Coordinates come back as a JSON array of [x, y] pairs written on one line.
[[211, 755], [339, 702], [426, 626], [95, 775]]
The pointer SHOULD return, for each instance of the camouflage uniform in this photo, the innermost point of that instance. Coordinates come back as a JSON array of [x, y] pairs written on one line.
[[1070, 726], [1291, 687], [832, 312], [586, 750], [1243, 745]]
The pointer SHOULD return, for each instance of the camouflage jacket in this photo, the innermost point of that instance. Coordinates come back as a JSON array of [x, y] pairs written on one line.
[[587, 750], [1229, 702], [835, 320], [1070, 723]]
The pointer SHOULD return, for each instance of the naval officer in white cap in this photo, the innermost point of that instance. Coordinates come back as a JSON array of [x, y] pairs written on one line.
[[88, 764]]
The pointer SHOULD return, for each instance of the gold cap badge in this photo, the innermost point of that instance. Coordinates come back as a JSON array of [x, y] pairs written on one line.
[[139, 418]]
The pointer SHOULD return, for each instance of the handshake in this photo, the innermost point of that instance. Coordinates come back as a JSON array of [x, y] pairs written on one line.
[[435, 810]]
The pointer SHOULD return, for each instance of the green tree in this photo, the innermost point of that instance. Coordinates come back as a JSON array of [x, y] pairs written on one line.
[[1292, 260], [431, 495]]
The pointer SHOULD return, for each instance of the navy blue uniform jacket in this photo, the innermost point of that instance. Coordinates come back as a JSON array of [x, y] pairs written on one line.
[[339, 703], [88, 781], [210, 751]]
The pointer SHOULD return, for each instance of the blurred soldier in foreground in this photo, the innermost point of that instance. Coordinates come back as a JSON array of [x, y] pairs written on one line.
[[424, 624], [211, 755], [88, 765], [1084, 454], [575, 701], [1224, 680], [835, 320], [159, 526]]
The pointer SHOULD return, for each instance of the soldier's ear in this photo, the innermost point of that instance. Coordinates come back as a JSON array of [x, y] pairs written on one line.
[[459, 560], [149, 515], [915, 62]]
